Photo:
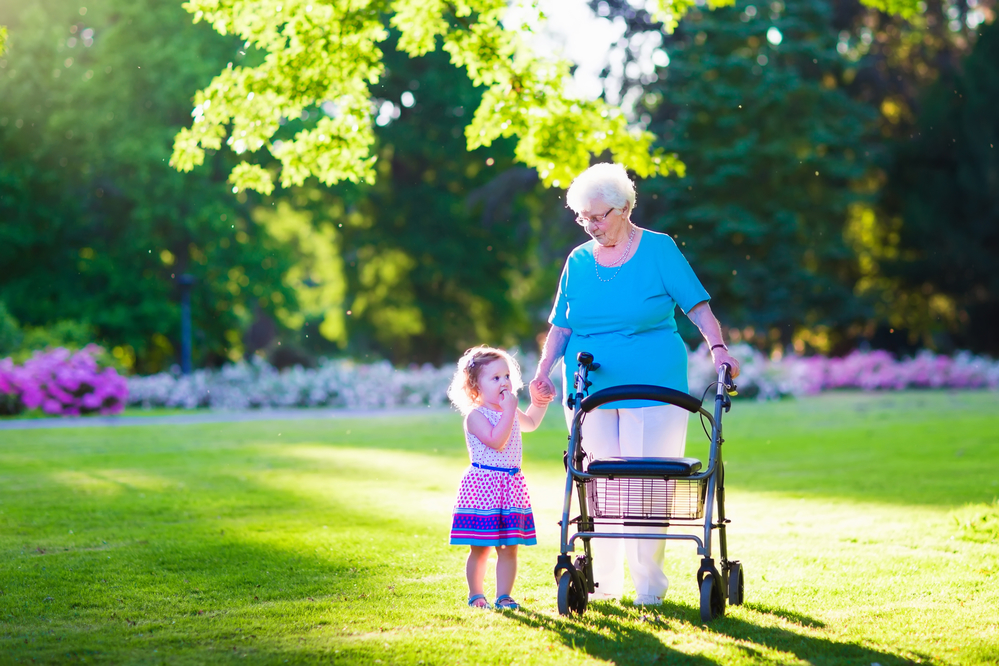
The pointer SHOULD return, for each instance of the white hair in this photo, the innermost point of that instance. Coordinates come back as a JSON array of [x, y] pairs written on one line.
[[609, 182]]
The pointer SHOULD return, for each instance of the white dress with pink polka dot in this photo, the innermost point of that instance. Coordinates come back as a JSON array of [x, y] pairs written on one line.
[[493, 506]]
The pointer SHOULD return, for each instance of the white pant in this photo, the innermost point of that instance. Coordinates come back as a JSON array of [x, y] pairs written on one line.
[[642, 432]]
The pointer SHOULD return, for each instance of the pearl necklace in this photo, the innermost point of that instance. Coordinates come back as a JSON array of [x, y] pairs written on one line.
[[619, 263]]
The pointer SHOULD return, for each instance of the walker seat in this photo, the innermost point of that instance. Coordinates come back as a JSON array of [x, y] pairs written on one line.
[[644, 467]]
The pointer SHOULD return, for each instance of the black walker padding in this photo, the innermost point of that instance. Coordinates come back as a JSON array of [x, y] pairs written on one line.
[[641, 392], [644, 467]]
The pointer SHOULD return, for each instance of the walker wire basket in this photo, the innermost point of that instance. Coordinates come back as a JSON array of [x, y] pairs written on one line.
[[646, 499]]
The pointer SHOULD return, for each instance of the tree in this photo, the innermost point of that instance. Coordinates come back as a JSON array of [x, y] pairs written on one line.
[[94, 225], [327, 56], [936, 243], [94, 229], [441, 252], [773, 146], [892, 59]]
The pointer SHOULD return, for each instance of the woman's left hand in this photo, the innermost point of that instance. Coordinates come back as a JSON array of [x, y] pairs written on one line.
[[721, 357]]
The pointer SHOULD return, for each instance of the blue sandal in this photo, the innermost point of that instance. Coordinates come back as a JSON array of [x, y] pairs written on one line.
[[478, 597], [506, 602]]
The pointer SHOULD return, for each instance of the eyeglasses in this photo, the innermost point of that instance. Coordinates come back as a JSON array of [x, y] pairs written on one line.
[[581, 220]]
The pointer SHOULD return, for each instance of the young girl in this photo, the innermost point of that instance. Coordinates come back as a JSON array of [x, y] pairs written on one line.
[[493, 507]]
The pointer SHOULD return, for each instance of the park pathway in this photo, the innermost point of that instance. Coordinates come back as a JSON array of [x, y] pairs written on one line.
[[214, 417]]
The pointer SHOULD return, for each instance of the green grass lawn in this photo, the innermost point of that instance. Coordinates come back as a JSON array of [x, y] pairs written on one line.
[[867, 525], [129, 411]]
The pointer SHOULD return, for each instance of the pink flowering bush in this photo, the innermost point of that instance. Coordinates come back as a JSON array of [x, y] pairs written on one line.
[[879, 371], [790, 374], [61, 382]]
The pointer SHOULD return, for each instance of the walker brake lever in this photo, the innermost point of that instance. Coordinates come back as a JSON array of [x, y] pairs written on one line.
[[730, 386]]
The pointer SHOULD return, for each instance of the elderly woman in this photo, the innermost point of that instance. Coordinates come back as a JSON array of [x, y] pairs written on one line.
[[616, 299]]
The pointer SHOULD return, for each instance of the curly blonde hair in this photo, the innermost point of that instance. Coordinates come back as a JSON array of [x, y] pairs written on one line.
[[464, 388]]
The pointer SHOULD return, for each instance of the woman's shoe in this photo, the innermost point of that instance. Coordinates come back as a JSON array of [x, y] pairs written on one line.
[[648, 600], [602, 596]]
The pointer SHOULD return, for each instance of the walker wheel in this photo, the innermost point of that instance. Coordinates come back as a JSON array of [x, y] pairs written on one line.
[[712, 601], [572, 597], [735, 584]]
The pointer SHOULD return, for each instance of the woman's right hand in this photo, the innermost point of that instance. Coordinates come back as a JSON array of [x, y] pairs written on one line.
[[542, 390]]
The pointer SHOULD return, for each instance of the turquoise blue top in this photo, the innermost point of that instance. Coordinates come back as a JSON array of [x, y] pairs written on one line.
[[628, 323]]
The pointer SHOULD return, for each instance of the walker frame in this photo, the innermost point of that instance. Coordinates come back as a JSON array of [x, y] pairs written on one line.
[[646, 492]]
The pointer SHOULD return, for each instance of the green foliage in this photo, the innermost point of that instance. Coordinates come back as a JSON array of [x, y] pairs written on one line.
[[3, 39], [450, 247], [19, 343], [441, 252], [10, 332], [316, 278], [904, 8], [670, 12], [773, 147], [942, 185], [102, 238], [94, 224], [327, 56], [64, 333], [892, 59]]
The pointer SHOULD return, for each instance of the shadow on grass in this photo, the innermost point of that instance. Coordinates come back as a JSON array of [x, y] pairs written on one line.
[[611, 633], [624, 635], [199, 596], [201, 557], [790, 616]]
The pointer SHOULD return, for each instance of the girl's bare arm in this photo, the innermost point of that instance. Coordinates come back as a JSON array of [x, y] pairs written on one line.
[[531, 419]]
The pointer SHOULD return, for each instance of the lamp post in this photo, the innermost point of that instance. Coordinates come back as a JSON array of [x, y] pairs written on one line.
[[185, 280]]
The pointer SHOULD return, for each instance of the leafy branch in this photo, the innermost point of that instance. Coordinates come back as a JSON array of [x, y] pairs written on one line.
[[329, 55]]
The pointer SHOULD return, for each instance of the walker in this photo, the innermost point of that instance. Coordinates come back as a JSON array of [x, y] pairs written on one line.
[[646, 492]]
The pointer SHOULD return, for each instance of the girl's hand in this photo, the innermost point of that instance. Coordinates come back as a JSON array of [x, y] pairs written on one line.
[[508, 400], [542, 391]]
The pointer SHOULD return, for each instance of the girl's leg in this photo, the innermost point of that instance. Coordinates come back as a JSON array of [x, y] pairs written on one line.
[[475, 569], [601, 439], [506, 569], [651, 432]]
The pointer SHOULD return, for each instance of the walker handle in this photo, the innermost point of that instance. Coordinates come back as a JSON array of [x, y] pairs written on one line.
[[581, 384], [641, 392]]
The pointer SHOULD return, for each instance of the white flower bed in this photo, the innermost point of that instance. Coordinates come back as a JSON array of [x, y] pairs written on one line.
[[349, 385], [335, 383]]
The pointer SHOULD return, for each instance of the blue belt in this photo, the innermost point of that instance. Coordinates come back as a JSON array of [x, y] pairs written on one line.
[[509, 470]]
